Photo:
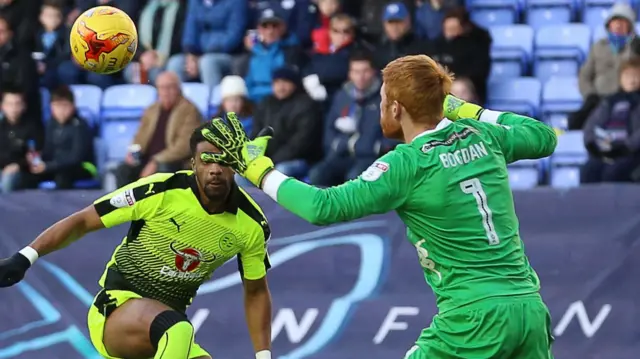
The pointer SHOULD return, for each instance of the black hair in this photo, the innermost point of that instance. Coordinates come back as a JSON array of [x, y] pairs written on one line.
[[197, 137], [62, 93], [57, 4], [361, 55], [12, 90]]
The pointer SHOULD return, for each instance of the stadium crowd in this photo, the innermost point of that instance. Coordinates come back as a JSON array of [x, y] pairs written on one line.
[[307, 68]]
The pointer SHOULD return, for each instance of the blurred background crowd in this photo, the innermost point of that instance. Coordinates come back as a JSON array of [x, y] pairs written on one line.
[[310, 69]]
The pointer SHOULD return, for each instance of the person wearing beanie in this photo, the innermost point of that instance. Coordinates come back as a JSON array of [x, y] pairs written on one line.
[[296, 120], [598, 78], [233, 95]]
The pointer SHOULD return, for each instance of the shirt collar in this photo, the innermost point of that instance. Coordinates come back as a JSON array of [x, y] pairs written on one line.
[[233, 200], [442, 124]]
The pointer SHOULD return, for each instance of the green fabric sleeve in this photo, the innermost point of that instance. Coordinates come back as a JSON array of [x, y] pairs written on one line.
[[383, 187]]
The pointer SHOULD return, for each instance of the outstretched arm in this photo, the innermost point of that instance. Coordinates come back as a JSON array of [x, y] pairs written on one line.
[[67, 231], [383, 187]]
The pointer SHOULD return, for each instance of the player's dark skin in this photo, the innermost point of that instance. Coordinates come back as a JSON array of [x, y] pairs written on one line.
[[126, 333]]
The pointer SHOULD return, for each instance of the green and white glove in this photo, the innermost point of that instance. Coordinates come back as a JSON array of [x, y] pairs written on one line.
[[246, 157], [229, 137], [457, 109]]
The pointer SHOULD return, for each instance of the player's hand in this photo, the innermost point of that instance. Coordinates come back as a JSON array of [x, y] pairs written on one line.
[[13, 269], [245, 156], [457, 109]]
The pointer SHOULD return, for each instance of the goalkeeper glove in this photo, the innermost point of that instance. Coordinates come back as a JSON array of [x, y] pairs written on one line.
[[243, 156], [457, 109], [256, 163]]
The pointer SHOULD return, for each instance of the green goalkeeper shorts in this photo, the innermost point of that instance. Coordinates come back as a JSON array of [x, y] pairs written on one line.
[[502, 328]]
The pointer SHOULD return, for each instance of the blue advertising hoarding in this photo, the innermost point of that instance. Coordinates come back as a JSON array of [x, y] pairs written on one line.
[[347, 290]]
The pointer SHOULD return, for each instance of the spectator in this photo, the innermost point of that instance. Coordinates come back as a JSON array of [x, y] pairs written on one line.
[[288, 10], [67, 155], [352, 133], [599, 74], [313, 22], [18, 70], [52, 43], [429, 17], [612, 132], [463, 88], [399, 39], [163, 135], [212, 34], [328, 67], [465, 49], [272, 49], [17, 131], [22, 17], [369, 15], [234, 93], [296, 121], [160, 36]]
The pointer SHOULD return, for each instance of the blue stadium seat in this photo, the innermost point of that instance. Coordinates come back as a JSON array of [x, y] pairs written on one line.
[[199, 94], [560, 95], [524, 174], [494, 12], [117, 136], [216, 100], [45, 98], [560, 50], [88, 99], [511, 49], [542, 13], [597, 33], [492, 17], [566, 161], [595, 15], [520, 95], [127, 102]]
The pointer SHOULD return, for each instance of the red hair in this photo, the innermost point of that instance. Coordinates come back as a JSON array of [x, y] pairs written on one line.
[[419, 84]]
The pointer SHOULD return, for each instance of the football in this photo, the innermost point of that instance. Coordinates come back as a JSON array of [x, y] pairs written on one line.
[[103, 40]]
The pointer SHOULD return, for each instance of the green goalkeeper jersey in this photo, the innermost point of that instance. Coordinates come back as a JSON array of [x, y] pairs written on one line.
[[450, 187]]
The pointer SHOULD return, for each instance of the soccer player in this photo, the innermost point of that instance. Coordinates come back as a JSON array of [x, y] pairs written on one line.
[[183, 226], [449, 184]]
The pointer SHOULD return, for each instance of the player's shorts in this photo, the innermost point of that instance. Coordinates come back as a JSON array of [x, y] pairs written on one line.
[[502, 328], [108, 301]]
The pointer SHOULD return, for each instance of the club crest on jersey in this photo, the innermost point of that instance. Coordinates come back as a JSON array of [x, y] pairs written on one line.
[[375, 171], [189, 259], [123, 199]]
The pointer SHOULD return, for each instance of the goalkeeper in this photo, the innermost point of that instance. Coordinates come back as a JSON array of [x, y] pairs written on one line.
[[449, 185]]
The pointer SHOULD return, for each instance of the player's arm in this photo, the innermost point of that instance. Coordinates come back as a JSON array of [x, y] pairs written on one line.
[[521, 137], [129, 203], [253, 263], [383, 187]]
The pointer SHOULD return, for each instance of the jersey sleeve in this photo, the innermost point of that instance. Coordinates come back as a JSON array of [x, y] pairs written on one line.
[[253, 260], [521, 137], [383, 187], [138, 200]]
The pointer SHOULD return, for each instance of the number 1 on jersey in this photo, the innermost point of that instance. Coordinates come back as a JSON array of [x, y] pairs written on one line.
[[474, 187]]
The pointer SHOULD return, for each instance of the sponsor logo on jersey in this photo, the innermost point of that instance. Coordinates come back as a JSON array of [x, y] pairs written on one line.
[[123, 199], [450, 140], [189, 259], [375, 171]]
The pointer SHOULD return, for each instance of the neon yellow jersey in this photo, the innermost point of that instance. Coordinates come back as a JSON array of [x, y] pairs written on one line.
[[174, 244]]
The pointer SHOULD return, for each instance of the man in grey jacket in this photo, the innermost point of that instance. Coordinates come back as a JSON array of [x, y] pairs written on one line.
[[599, 74]]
